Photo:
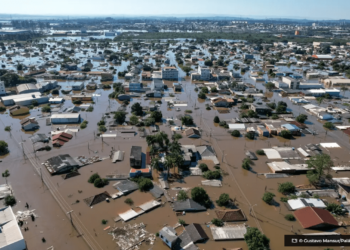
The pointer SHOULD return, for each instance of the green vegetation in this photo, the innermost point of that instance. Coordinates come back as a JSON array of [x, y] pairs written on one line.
[[77, 102], [236, 133], [286, 188], [8, 128], [289, 217], [84, 124], [99, 183], [145, 184], [274, 117], [328, 125], [182, 196], [129, 201], [46, 109], [134, 120], [93, 178], [268, 197], [223, 200], [200, 196], [90, 109], [157, 116], [187, 120], [256, 240], [6, 174], [204, 167], [217, 222], [102, 128], [10, 200], [182, 222], [335, 208], [260, 152], [301, 118], [2, 109], [269, 86], [202, 95], [120, 117], [3, 147], [246, 164], [136, 109], [250, 136], [284, 199], [286, 134], [55, 92], [211, 175], [320, 166], [104, 222]]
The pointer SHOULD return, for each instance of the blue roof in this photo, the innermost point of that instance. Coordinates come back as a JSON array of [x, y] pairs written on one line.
[[290, 127]]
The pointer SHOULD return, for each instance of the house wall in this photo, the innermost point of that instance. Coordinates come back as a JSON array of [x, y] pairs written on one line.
[[18, 245]]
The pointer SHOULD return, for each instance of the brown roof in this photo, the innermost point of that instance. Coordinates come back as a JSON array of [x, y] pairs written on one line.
[[59, 137], [58, 143], [230, 215], [192, 131], [309, 217], [27, 121]]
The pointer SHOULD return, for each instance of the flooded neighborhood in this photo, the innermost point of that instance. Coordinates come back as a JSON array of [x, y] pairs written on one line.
[[150, 133]]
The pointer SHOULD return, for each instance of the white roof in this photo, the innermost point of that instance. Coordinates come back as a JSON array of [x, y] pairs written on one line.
[[237, 126], [149, 205], [228, 232], [21, 96], [330, 145], [309, 106], [128, 215], [10, 232], [272, 153], [67, 115], [299, 203]]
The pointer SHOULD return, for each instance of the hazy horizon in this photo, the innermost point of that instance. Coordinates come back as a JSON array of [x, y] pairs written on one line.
[[297, 9]]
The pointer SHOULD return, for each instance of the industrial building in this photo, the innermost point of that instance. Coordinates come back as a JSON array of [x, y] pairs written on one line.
[[24, 99], [170, 73], [65, 118]]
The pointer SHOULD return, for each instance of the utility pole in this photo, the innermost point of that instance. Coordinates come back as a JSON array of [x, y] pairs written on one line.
[[41, 176], [70, 215]]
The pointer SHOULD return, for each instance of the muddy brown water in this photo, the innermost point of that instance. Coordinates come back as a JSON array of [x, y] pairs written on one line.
[[245, 186]]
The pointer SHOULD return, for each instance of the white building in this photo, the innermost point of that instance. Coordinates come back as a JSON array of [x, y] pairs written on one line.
[[11, 237], [299, 203], [2, 88], [170, 73], [293, 83], [157, 84], [65, 118], [24, 99]]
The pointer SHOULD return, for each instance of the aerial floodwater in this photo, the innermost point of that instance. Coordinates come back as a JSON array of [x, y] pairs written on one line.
[[174, 133]]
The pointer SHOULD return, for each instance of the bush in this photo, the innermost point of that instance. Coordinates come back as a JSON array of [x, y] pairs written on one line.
[[211, 175], [268, 197], [216, 119], [217, 222], [187, 120], [334, 208], [99, 183], [84, 124], [94, 177], [35, 103], [90, 109], [203, 167], [286, 134], [255, 239], [236, 133], [3, 147], [134, 120], [284, 199], [55, 92], [120, 117], [129, 201], [329, 125], [10, 200], [145, 184], [274, 117], [8, 128], [77, 102], [102, 128], [200, 196], [202, 95], [245, 164], [289, 217], [222, 123], [2, 109], [286, 188], [223, 200], [188, 111], [250, 136], [260, 152], [102, 122], [104, 222], [182, 196], [182, 222], [46, 109], [157, 116]]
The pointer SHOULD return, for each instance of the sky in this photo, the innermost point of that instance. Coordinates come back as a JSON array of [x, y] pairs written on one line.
[[304, 9]]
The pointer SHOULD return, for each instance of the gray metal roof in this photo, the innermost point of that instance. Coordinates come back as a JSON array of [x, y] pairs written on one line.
[[196, 232], [229, 232], [126, 186], [118, 156], [169, 233], [156, 191], [188, 205]]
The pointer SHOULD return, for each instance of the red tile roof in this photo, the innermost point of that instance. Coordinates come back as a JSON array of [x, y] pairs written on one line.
[[310, 217], [59, 137], [230, 215]]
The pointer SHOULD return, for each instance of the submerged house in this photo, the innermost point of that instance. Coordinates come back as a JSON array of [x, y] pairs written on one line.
[[136, 157], [60, 164]]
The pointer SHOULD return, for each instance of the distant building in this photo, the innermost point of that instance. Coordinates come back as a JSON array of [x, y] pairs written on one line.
[[65, 118], [136, 157], [177, 86], [29, 124], [168, 236], [135, 86], [157, 84], [24, 99], [170, 73], [336, 82], [204, 74], [248, 57], [315, 218], [60, 164], [78, 86], [26, 88]]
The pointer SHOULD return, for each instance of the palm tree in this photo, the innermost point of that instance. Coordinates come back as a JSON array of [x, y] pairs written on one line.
[[5, 175], [155, 164], [178, 161], [168, 163], [175, 147], [150, 139]]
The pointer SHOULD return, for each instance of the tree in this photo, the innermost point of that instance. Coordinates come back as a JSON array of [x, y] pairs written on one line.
[[260, 152], [250, 136], [208, 63], [182, 196], [102, 128], [289, 217], [55, 92], [182, 222], [99, 183], [157, 116], [155, 164], [3, 147], [328, 125], [269, 86], [211, 175], [301, 118], [203, 167], [319, 100], [335, 208], [256, 240], [10, 200], [217, 222], [214, 90], [286, 134], [8, 128], [94, 177], [145, 184], [223, 200], [268, 197], [246, 164], [120, 117], [236, 133], [286, 187], [6, 174], [200, 196], [187, 120], [319, 166], [216, 119], [134, 120], [19, 67], [46, 109], [202, 95], [129, 201], [136, 109], [205, 90]]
